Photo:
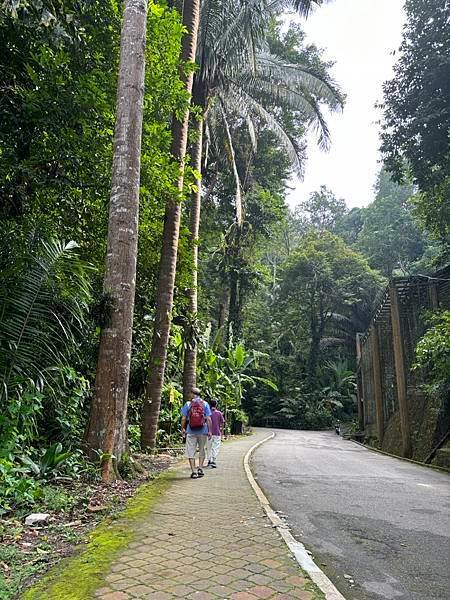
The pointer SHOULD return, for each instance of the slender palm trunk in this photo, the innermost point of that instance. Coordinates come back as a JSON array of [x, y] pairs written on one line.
[[107, 427], [169, 250], [234, 325], [190, 354], [224, 307]]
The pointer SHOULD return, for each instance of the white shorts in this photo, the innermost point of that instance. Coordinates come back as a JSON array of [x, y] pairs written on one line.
[[192, 441], [214, 447]]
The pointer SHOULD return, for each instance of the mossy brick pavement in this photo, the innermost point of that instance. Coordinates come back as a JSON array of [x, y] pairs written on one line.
[[201, 539]]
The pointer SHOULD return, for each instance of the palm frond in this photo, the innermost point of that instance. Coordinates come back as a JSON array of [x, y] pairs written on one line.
[[292, 75], [43, 309], [252, 132], [332, 342], [232, 158], [302, 7], [248, 105]]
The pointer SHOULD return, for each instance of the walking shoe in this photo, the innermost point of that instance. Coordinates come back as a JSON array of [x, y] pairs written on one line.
[[213, 465]]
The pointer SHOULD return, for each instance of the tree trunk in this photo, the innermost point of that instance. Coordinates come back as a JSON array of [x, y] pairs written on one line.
[[107, 427], [233, 308], [224, 307], [169, 250], [317, 328], [190, 354], [234, 327], [313, 328]]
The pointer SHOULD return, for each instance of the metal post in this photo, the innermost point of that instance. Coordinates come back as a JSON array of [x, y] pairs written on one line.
[[377, 382], [359, 381], [400, 370], [434, 295]]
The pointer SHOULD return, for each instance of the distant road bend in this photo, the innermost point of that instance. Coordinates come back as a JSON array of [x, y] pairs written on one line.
[[378, 526]]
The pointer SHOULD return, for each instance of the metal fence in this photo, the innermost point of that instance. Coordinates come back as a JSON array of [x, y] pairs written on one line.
[[394, 412]]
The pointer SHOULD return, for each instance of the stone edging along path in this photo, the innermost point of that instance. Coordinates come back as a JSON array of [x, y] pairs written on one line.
[[296, 547], [181, 538]]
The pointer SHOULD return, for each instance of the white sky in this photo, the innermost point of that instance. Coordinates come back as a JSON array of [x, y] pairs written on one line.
[[359, 35]]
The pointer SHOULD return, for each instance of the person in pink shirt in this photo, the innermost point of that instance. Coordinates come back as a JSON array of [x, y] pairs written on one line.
[[217, 424]]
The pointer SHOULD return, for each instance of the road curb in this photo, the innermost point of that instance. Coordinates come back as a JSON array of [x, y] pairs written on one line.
[[297, 548], [409, 460]]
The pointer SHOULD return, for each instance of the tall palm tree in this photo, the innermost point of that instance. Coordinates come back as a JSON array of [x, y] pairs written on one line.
[[169, 250], [107, 427], [249, 17], [237, 79]]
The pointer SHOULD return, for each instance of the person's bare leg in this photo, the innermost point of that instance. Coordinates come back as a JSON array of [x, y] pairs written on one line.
[[192, 464]]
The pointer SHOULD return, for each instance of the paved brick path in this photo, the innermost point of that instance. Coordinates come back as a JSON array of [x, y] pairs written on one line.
[[208, 538]]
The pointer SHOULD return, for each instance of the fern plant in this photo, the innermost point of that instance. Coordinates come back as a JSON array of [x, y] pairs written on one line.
[[43, 308]]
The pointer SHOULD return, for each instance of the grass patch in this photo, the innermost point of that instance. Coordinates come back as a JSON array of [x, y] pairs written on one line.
[[315, 591], [12, 580], [77, 577]]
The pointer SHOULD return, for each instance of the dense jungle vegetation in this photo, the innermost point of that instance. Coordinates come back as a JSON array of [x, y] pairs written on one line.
[[257, 303]]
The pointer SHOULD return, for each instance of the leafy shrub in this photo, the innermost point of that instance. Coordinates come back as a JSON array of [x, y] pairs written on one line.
[[126, 466], [16, 488], [433, 350], [18, 419], [433, 356], [226, 373], [318, 417], [44, 302], [64, 412], [48, 463], [306, 409], [134, 437]]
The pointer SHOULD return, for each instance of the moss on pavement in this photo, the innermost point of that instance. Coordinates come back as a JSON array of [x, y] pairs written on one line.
[[77, 577]]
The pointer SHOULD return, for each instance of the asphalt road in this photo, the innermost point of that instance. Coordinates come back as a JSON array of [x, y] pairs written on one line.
[[379, 527]]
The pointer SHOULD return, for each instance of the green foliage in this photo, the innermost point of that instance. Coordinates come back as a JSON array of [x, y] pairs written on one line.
[[321, 276], [389, 237], [56, 499], [43, 303], [12, 581], [432, 208], [322, 211], [417, 111], [226, 373], [340, 389], [16, 488], [433, 351], [58, 69], [249, 81], [24, 478], [305, 409], [49, 462], [169, 420], [59, 75], [306, 319], [64, 414], [126, 465]]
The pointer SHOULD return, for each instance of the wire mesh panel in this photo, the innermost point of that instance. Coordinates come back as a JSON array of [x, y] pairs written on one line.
[[414, 310], [388, 379], [367, 382], [417, 297]]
